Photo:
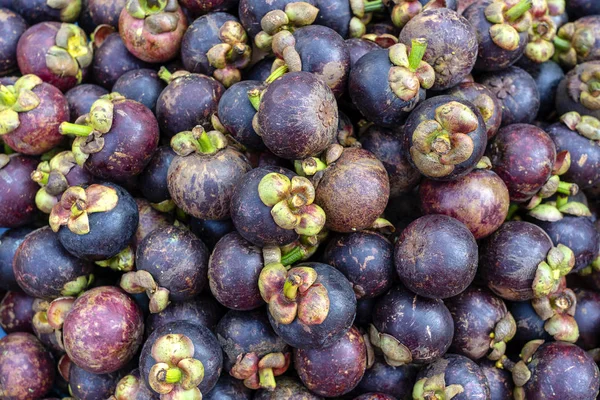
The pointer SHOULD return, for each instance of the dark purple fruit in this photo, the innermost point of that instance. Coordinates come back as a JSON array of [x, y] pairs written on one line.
[[288, 388], [581, 8], [16, 312], [201, 7], [142, 85], [103, 330], [259, 71], [105, 11], [153, 180], [149, 220], [436, 256], [411, 329], [587, 316], [547, 76], [13, 26], [202, 310], [35, 11], [529, 324], [374, 396], [335, 370], [358, 47], [26, 368], [395, 381], [484, 100], [228, 388], [517, 92], [211, 231], [85, 385], [366, 259], [17, 200], [499, 381], [112, 60], [252, 12], [9, 242], [81, 98]]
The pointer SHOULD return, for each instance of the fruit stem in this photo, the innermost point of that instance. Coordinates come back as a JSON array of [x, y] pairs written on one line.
[[165, 74], [292, 256], [254, 97], [290, 287], [417, 52], [266, 378], [561, 201], [67, 128], [278, 73], [206, 146], [40, 177], [6, 96], [373, 5], [173, 375], [517, 11], [561, 44], [565, 188]]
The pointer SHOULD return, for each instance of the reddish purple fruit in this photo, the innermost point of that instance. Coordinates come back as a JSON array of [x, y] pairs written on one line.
[[17, 201], [499, 380], [16, 312]]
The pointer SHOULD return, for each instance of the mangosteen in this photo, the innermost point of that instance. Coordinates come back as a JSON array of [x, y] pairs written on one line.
[[26, 367], [95, 223], [547, 76], [499, 380], [587, 317], [201, 7], [133, 387], [58, 53], [149, 220], [530, 326], [252, 12], [484, 100], [228, 388], [394, 381], [210, 231], [31, 114], [259, 71], [181, 359], [105, 12], [103, 330], [171, 265], [9, 242], [142, 85], [17, 200], [348, 18], [153, 180], [152, 31], [36, 11], [288, 388], [116, 139], [203, 174], [13, 26], [578, 91], [201, 310], [358, 47], [81, 98], [85, 385], [16, 312], [581, 8]]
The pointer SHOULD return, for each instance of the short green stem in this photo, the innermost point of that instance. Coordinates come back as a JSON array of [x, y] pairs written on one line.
[[6, 96], [290, 287], [206, 146], [561, 201], [561, 44], [278, 73], [40, 177], [266, 378], [254, 97], [373, 5], [417, 52], [165, 74], [566, 188], [173, 375], [292, 256], [594, 86], [67, 128], [517, 11]]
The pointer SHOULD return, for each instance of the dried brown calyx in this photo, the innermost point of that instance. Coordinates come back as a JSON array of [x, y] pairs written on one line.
[[584, 86], [51, 176], [435, 388], [260, 372], [77, 203], [16, 99], [294, 294], [441, 143], [504, 331], [573, 42], [394, 352], [509, 18], [231, 55], [160, 16], [71, 52], [409, 72], [540, 47], [176, 374], [141, 281], [50, 317]]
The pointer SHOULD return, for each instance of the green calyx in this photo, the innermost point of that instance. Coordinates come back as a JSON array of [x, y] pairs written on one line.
[[16, 99], [404, 10], [504, 331], [259, 373], [586, 125], [395, 353], [140, 281], [77, 286], [362, 14], [584, 87], [559, 262], [573, 42], [255, 95], [141, 9], [122, 262], [71, 53], [69, 9], [434, 388], [409, 72], [312, 166], [508, 19], [231, 55], [198, 141], [558, 311], [51, 175]]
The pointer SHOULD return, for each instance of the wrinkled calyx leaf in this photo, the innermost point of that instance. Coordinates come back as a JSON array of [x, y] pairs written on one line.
[[176, 373], [69, 9], [294, 294], [584, 86], [509, 18], [586, 125], [259, 373], [77, 203], [71, 53], [122, 262], [434, 387], [16, 99], [141, 9], [504, 331], [559, 262], [572, 42], [540, 47], [558, 311], [520, 372], [291, 203], [141, 281], [409, 72], [439, 144], [361, 15], [231, 55], [198, 141], [52, 177], [394, 352]]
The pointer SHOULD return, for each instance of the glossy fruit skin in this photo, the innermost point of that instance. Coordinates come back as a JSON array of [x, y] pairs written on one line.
[[142, 85], [9, 242], [299, 126], [585, 155], [577, 233], [16, 312], [518, 105], [201, 310], [105, 11], [335, 370], [39, 278], [251, 12], [587, 316], [394, 381], [476, 93], [228, 388], [452, 59], [26, 368], [251, 217], [499, 380], [233, 271], [201, 7], [259, 71], [565, 363], [389, 148], [436, 256], [480, 200], [335, 14], [409, 318], [81, 98], [236, 113], [17, 202], [35, 11], [476, 311], [13, 26], [371, 93], [547, 76], [356, 181], [211, 231], [581, 8], [358, 47], [206, 350], [564, 101], [523, 156], [288, 388], [38, 128], [90, 337], [374, 396], [153, 180], [112, 60], [366, 259], [459, 370], [509, 259], [529, 325], [342, 311], [490, 56], [110, 232], [187, 101], [149, 220], [88, 386]]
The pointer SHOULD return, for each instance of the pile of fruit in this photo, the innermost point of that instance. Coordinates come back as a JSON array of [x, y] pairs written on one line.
[[298, 200]]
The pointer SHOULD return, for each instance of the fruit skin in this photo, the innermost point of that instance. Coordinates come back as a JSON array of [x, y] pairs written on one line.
[[288, 388], [299, 126], [153, 180], [499, 380], [103, 330], [38, 129], [142, 85], [572, 82], [228, 388], [149, 220], [252, 11], [26, 368], [81, 98], [335, 370], [112, 60], [523, 156], [581, 8], [251, 217], [453, 59], [374, 396], [9, 242], [587, 315], [13, 26], [564, 363], [486, 102], [201, 310], [39, 278], [206, 350], [529, 325], [394, 381], [342, 311], [410, 319], [16, 312], [201, 7], [85, 385], [354, 191], [547, 76], [233, 271], [211, 231], [110, 232], [366, 259], [105, 11], [358, 47], [509, 259], [480, 200], [36, 11], [17, 201]]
